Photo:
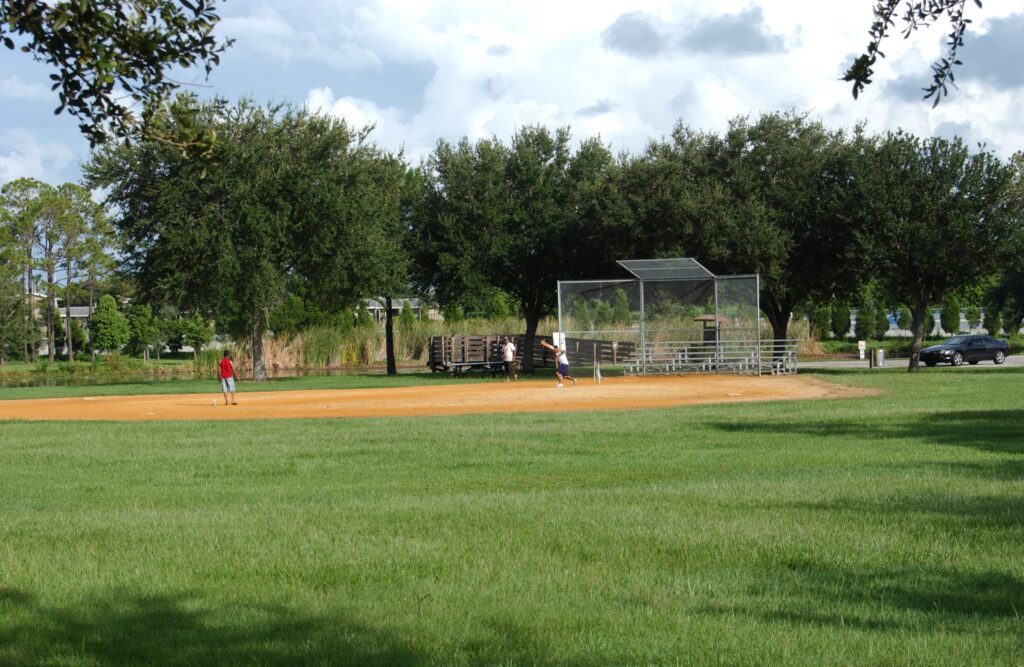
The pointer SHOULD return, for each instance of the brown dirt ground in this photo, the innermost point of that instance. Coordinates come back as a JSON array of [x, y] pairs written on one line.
[[626, 393]]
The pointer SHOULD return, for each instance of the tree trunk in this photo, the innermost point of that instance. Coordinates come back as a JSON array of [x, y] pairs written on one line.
[[88, 319], [778, 316], [67, 314], [29, 319], [532, 320], [30, 281], [259, 368], [389, 337], [51, 311], [920, 312]]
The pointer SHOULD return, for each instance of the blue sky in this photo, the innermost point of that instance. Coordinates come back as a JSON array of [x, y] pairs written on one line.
[[626, 70]]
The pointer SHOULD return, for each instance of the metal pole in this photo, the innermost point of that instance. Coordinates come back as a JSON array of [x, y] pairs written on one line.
[[757, 319], [643, 333], [559, 305], [718, 337]]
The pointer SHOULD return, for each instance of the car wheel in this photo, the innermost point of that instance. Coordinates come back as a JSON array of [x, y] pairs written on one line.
[[1000, 357], [929, 364], [958, 359]]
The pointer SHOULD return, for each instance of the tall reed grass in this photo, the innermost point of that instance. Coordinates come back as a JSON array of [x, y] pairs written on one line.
[[339, 347]]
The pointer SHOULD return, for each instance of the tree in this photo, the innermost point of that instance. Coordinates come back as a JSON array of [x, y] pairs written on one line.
[[949, 317], [517, 218], [108, 330], [79, 215], [60, 340], [197, 334], [621, 312], [867, 319], [100, 47], [916, 14], [20, 213], [289, 316], [881, 323], [820, 318], [841, 320], [973, 316], [936, 217], [289, 194], [771, 197], [603, 314], [12, 330], [993, 319], [50, 256], [142, 329], [904, 320], [497, 306], [453, 313], [77, 336], [406, 318]]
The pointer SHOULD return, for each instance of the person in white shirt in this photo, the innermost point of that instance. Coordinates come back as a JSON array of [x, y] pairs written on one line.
[[562, 371], [508, 356]]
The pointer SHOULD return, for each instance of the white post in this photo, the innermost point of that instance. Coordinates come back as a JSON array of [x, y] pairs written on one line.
[[718, 345], [757, 320], [643, 333], [560, 306]]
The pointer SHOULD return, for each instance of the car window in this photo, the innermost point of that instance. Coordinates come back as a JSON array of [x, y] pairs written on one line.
[[957, 340]]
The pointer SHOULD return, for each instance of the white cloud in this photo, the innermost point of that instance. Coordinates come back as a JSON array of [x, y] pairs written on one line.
[[552, 66], [23, 155], [269, 34], [12, 87]]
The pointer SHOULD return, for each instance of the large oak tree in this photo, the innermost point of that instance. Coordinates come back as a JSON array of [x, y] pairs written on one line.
[[938, 218], [516, 217], [288, 194]]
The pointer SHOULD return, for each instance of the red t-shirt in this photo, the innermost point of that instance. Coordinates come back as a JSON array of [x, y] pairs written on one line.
[[226, 369]]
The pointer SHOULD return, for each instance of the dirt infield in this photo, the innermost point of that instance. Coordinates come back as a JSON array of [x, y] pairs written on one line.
[[627, 393]]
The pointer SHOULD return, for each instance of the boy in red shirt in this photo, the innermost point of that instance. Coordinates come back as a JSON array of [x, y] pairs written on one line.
[[228, 377]]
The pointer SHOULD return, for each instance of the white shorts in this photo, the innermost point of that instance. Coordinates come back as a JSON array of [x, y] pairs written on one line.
[[227, 385]]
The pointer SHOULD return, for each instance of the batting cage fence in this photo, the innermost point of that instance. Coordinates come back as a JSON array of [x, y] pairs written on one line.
[[671, 316]]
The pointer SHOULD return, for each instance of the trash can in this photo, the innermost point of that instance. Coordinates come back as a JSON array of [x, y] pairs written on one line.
[[877, 358]]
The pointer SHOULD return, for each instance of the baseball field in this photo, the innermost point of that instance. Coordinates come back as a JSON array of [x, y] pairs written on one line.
[[843, 518]]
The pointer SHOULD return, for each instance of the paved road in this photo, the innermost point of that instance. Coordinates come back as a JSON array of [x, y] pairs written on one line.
[[1012, 360]]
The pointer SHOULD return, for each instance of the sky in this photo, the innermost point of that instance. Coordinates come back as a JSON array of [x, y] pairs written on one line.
[[625, 70]]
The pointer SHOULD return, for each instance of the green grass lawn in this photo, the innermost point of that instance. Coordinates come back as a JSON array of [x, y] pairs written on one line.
[[878, 530]]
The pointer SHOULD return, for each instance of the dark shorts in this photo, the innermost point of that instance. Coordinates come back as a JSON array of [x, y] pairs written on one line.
[[508, 367], [563, 370]]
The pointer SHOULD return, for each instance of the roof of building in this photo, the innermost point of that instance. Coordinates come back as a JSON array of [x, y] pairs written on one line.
[[378, 304], [77, 312], [676, 268]]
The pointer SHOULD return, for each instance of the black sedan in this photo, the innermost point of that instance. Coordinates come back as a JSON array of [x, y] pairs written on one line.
[[971, 349]]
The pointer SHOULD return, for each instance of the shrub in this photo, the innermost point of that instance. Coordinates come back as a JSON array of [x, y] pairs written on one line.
[[949, 318], [621, 312], [821, 321], [453, 313], [840, 320], [881, 323], [197, 334], [905, 319], [108, 330], [973, 316], [406, 318], [867, 320], [993, 319]]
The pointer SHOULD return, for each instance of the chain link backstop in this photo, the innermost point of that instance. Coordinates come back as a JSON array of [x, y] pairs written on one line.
[[673, 316]]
